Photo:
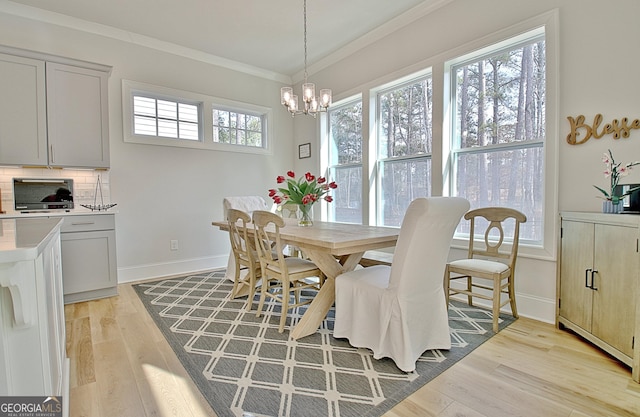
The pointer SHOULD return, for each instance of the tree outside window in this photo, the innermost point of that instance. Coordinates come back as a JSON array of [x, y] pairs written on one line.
[[404, 148], [496, 152], [499, 132], [345, 166], [237, 128]]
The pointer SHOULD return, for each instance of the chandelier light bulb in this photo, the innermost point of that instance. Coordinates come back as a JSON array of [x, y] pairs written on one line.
[[309, 91], [313, 105], [293, 104], [285, 95], [325, 97]]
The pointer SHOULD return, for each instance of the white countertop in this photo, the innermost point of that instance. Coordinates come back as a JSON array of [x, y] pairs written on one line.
[[81, 211], [22, 239]]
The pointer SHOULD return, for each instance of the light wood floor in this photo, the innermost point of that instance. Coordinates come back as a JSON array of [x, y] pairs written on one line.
[[122, 366]]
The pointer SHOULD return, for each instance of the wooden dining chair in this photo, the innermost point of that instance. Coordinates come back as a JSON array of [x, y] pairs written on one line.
[[489, 262], [282, 277], [248, 204], [289, 211], [247, 267]]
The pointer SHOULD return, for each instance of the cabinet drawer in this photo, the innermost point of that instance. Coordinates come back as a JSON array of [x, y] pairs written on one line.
[[88, 223]]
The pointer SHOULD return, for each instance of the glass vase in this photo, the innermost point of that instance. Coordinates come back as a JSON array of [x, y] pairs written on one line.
[[305, 215], [609, 206]]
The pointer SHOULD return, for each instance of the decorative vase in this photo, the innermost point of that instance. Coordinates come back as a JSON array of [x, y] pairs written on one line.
[[305, 215], [609, 206]]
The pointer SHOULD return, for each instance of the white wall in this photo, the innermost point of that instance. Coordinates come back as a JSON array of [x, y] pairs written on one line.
[[598, 61], [598, 65], [172, 193], [166, 193]]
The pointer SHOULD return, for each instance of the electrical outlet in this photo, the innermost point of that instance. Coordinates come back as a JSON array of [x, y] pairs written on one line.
[[174, 245]]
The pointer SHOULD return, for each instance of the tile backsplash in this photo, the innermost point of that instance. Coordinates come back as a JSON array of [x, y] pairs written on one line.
[[84, 184]]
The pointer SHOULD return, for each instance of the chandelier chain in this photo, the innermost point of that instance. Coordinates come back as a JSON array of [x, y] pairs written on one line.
[[305, 40]]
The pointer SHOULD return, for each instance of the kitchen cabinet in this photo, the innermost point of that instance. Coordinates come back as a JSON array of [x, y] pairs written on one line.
[[23, 129], [77, 116], [89, 264], [54, 111], [598, 282], [33, 358]]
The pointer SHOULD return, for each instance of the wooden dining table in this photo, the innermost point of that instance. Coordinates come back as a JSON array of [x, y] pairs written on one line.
[[335, 248]]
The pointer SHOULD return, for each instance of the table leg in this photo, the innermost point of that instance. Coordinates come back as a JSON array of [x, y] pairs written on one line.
[[322, 302]]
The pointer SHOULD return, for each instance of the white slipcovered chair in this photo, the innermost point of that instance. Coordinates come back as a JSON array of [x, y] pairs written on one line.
[[399, 311], [248, 204]]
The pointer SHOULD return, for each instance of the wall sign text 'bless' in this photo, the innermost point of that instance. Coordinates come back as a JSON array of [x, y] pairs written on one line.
[[582, 132]]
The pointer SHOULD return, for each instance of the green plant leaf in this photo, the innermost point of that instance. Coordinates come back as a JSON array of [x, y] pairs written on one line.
[[606, 194]]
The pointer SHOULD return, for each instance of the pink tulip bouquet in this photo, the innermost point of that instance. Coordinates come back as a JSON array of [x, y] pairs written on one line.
[[303, 193]]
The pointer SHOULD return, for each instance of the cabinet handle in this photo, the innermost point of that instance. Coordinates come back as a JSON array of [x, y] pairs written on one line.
[[81, 223], [586, 277], [51, 152], [593, 279]]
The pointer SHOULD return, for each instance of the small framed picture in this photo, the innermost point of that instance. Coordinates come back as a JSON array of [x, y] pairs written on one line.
[[304, 150]]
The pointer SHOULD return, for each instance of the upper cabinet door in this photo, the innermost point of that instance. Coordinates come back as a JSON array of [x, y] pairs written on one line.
[[23, 130], [77, 116]]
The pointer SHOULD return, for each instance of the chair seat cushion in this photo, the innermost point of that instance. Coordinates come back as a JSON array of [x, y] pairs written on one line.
[[295, 265], [481, 265], [253, 253]]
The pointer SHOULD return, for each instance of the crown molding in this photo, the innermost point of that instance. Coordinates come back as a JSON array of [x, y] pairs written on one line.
[[34, 13], [400, 21], [58, 19]]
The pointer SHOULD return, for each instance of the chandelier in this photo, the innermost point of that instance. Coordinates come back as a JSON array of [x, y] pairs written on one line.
[[312, 104]]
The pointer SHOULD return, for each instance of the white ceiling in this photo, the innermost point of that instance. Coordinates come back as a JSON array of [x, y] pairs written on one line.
[[266, 34]]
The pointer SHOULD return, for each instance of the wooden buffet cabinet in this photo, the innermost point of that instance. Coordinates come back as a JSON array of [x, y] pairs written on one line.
[[598, 282]]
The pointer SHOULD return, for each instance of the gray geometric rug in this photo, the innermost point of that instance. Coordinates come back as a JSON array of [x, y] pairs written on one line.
[[241, 364]]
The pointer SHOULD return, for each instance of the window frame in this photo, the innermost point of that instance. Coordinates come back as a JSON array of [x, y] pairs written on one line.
[[206, 105], [547, 25], [456, 149], [244, 112], [375, 93], [326, 158], [157, 118], [441, 157]]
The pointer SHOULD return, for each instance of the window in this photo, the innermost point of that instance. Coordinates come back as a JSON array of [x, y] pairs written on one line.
[[498, 130], [479, 121], [165, 118], [237, 128], [404, 115], [154, 115], [345, 161]]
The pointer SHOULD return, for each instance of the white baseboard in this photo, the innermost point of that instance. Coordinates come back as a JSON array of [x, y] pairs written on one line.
[[537, 308], [185, 266], [529, 306]]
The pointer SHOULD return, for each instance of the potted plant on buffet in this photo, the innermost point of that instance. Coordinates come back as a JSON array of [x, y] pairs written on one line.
[[614, 171]]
